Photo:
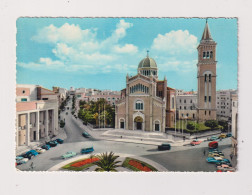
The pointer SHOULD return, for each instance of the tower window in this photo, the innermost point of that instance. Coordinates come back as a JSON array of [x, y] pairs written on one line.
[[204, 55], [205, 98], [180, 107], [209, 98], [205, 112], [210, 77], [205, 78], [211, 54], [208, 55]]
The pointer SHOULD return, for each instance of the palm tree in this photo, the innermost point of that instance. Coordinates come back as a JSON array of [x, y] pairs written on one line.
[[107, 162]]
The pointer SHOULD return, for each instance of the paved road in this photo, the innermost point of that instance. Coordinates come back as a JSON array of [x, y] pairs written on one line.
[[181, 158]]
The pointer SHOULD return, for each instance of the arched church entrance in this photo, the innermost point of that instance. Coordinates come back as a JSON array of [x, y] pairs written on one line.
[[138, 122]]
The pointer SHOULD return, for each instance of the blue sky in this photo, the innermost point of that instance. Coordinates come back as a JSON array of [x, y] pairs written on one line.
[[99, 52]]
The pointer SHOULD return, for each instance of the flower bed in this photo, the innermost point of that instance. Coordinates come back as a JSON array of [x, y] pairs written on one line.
[[81, 164], [84, 162], [137, 165]]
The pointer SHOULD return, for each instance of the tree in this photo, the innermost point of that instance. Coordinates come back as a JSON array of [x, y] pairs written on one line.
[[107, 162], [211, 123], [224, 124], [62, 124], [192, 126]]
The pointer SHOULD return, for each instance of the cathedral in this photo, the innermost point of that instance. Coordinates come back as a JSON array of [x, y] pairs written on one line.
[[146, 103]]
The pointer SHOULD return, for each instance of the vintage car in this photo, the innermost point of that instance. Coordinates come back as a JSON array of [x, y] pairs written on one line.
[[213, 144], [87, 150], [46, 147], [223, 135], [164, 146], [68, 155], [22, 160], [229, 134], [212, 160], [60, 141], [85, 134], [195, 142], [52, 143], [213, 138], [40, 150], [215, 155]]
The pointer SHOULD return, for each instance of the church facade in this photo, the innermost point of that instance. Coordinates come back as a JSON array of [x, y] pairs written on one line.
[[146, 103]]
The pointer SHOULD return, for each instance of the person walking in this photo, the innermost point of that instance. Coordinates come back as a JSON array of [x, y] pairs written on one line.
[[231, 156], [31, 166], [204, 152]]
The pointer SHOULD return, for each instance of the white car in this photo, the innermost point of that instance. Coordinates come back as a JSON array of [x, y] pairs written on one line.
[[40, 150], [22, 161], [218, 158]]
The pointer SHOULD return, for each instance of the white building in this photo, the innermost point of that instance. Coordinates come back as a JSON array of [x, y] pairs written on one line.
[[186, 106], [223, 103], [36, 114], [234, 122]]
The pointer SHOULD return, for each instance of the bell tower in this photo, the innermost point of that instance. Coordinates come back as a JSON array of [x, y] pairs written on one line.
[[206, 75]]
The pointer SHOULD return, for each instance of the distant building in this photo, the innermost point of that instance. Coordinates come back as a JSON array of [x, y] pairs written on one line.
[[186, 107], [224, 104], [61, 94], [36, 114], [234, 123]]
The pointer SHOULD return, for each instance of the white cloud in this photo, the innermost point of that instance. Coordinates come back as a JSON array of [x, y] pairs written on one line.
[[127, 48], [175, 42], [172, 64], [65, 34]]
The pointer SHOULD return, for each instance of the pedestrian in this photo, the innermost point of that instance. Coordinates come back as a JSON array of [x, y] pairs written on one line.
[[184, 138], [204, 152], [231, 156], [31, 166]]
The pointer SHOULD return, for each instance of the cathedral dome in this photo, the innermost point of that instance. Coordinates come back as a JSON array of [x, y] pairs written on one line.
[[147, 63]]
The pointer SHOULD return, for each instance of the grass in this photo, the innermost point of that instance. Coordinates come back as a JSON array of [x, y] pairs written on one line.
[[183, 123], [69, 167], [126, 164]]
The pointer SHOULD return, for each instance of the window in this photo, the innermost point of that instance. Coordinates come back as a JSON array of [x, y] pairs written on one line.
[[204, 55], [184, 107], [139, 105], [113, 98], [182, 115], [205, 78], [209, 98], [184, 101], [217, 102], [172, 102], [180, 107], [209, 112], [210, 76], [108, 99], [211, 54], [191, 107], [205, 98], [23, 91], [23, 99], [44, 98], [207, 55], [205, 112], [233, 104], [187, 114]]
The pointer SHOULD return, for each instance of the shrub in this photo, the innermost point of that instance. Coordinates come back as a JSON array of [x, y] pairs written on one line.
[[192, 126], [211, 123]]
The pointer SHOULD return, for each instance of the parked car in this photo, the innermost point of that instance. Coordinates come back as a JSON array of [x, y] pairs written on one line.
[[229, 134], [85, 134], [29, 155], [215, 155], [46, 147], [212, 160], [87, 150], [195, 142], [222, 136], [52, 143], [60, 141], [213, 138], [164, 146], [40, 150], [22, 161], [213, 150], [68, 155], [213, 144]]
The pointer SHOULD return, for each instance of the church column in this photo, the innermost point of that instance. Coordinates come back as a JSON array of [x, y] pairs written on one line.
[[46, 124]]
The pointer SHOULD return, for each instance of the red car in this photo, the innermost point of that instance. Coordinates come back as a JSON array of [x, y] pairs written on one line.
[[195, 142], [213, 144]]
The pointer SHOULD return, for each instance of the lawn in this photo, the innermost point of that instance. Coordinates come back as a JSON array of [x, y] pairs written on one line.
[[182, 124]]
